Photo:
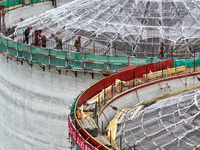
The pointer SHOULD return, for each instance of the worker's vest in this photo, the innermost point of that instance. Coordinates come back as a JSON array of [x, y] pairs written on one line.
[[43, 41], [78, 43], [57, 37]]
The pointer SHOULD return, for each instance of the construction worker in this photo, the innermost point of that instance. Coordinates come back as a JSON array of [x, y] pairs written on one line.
[[161, 52], [26, 34], [58, 41], [44, 40], [77, 43]]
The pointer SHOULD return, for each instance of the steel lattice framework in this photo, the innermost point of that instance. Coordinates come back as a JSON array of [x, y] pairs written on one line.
[[130, 27], [172, 123]]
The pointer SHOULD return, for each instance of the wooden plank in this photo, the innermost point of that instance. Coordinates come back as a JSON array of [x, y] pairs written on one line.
[[164, 72], [136, 112]]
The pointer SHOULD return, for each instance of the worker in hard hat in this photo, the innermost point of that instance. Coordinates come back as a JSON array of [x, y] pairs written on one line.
[[26, 34], [161, 52], [44, 40], [77, 43], [58, 41]]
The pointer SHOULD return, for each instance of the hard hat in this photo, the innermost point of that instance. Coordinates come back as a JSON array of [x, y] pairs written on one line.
[[31, 27], [38, 39], [52, 34], [43, 36], [159, 51], [79, 36], [3, 13]]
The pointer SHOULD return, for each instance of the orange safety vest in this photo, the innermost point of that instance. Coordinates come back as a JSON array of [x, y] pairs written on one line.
[[43, 41], [57, 37], [78, 42]]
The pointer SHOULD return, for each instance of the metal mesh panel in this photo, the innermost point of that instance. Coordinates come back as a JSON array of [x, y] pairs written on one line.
[[166, 124], [122, 27]]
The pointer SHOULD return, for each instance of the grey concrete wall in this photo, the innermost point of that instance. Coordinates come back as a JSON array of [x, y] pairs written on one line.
[[147, 93], [12, 17], [34, 105]]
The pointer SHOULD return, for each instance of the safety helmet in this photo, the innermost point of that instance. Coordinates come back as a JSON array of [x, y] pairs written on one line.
[[159, 51], [38, 39], [79, 36], [43, 36], [31, 27], [52, 34]]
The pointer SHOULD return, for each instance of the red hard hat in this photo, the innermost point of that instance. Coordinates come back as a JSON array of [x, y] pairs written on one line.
[[43, 36], [31, 27], [52, 34], [79, 36], [3, 13], [38, 39], [159, 51]]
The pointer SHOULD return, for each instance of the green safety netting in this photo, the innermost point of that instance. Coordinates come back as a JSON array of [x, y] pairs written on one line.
[[78, 61], [12, 44], [24, 55], [59, 54], [3, 40], [118, 59], [140, 61], [23, 47], [12, 51], [96, 66], [39, 50], [3, 48], [189, 63], [57, 62], [96, 58], [75, 56], [41, 59], [12, 3]]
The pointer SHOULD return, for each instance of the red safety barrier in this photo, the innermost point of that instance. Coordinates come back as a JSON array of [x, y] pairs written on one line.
[[127, 68], [79, 140], [126, 75]]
